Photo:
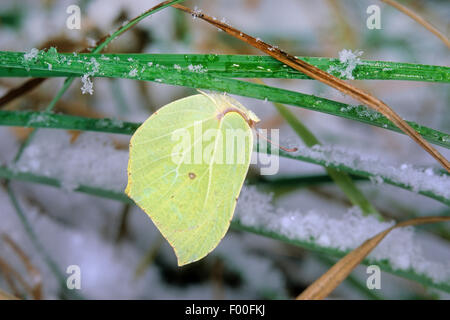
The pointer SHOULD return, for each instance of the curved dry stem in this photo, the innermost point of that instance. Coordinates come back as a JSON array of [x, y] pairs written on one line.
[[420, 20]]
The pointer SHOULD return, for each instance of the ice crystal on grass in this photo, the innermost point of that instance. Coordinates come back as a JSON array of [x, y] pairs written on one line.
[[133, 73], [31, 55], [196, 68], [88, 86], [349, 60], [95, 65]]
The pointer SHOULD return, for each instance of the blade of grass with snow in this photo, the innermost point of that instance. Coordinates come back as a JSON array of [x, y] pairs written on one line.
[[234, 66], [115, 66]]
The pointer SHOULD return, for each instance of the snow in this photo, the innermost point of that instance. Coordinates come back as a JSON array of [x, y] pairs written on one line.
[[31, 55], [77, 228], [344, 232], [196, 12], [349, 61], [91, 159], [95, 65], [88, 86], [196, 68]]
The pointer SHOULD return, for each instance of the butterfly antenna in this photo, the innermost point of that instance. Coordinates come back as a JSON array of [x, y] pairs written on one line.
[[273, 143]]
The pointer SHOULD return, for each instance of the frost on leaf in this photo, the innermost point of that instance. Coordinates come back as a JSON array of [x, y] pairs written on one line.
[[196, 13], [349, 60], [133, 73], [31, 55]]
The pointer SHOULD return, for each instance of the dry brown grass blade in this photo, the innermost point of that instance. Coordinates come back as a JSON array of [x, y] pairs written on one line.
[[6, 296], [420, 20], [11, 274], [323, 286], [326, 78], [36, 278]]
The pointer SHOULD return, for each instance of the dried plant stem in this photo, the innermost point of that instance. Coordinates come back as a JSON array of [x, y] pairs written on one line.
[[420, 20], [329, 281], [6, 296], [326, 78]]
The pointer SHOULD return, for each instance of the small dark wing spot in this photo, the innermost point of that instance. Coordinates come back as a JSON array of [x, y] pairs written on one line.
[[191, 175]]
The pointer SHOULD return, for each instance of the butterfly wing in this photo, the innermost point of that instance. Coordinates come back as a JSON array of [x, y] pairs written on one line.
[[186, 169]]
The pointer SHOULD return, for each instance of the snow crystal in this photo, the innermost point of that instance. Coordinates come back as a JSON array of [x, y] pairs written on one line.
[[176, 67], [95, 65], [362, 111], [344, 232], [376, 179], [88, 86], [196, 68], [38, 118], [196, 12], [133, 73], [349, 61], [31, 55]]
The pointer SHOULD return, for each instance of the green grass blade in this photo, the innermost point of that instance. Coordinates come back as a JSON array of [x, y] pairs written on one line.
[[234, 66], [136, 69]]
